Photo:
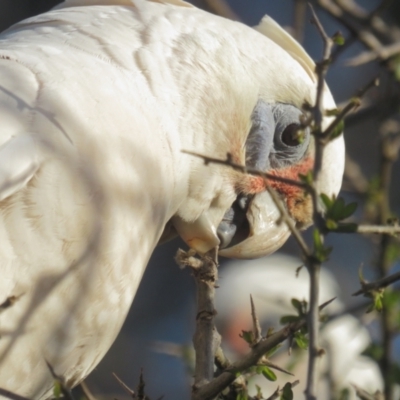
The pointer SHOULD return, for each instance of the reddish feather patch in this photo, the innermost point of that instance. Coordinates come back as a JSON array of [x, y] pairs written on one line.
[[298, 205], [257, 184]]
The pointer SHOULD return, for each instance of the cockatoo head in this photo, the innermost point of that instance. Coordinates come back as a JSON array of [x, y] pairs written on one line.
[[250, 228]]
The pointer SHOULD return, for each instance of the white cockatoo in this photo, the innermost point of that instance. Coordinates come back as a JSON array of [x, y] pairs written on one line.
[[98, 100], [272, 282]]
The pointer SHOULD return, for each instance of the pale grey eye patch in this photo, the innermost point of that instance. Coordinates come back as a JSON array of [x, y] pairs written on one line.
[[274, 140]]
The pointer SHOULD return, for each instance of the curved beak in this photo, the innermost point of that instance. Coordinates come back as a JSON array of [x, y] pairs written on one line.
[[262, 235], [266, 235], [199, 235]]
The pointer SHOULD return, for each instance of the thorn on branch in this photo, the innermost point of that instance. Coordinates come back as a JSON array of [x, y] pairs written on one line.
[[124, 386], [257, 337]]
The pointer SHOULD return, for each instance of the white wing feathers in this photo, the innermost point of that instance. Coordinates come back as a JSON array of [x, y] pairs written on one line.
[[19, 160]]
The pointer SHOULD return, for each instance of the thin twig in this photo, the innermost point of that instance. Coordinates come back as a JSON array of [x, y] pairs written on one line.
[[247, 170], [352, 104], [379, 284], [379, 229], [382, 54], [289, 222], [89, 395], [321, 68], [124, 386]]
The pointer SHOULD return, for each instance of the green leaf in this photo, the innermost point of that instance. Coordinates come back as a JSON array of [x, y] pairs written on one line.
[[331, 225], [327, 200], [338, 39], [242, 396], [268, 374], [349, 210], [321, 253], [337, 131], [287, 393], [317, 240], [378, 303], [301, 340], [247, 336], [272, 351], [57, 390], [337, 209], [307, 178], [297, 304]]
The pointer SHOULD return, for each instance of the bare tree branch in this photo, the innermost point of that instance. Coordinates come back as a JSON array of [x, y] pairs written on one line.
[[379, 229], [206, 340], [313, 265], [299, 16], [383, 53], [379, 284]]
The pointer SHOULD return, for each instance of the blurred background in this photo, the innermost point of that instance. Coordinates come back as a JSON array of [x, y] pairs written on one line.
[[161, 321]]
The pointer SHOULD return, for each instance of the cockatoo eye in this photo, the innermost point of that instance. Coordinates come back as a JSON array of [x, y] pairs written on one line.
[[291, 140], [292, 135]]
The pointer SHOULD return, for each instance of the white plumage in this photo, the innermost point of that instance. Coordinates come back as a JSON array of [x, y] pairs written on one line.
[[97, 101]]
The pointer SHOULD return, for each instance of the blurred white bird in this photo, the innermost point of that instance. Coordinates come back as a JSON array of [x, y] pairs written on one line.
[[98, 98], [273, 283]]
